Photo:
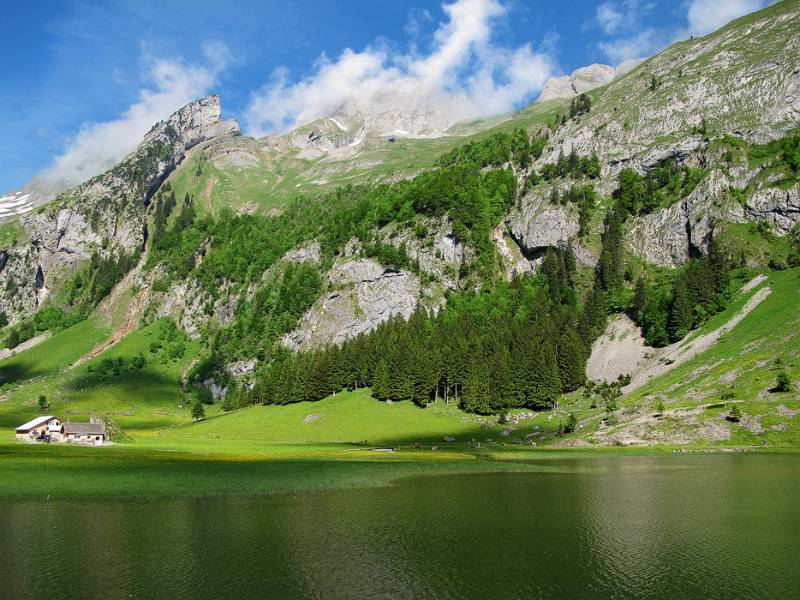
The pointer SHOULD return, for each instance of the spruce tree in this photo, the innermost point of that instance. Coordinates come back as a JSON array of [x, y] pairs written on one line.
[[380, 381], [681, 311], [571, 360]]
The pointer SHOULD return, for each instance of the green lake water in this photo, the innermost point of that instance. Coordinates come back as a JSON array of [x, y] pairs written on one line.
[[722, 526]]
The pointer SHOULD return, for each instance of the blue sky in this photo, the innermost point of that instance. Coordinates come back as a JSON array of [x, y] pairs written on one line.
[[81, 81]]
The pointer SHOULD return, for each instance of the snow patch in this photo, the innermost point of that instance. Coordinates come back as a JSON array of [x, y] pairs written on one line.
[[338, 124]]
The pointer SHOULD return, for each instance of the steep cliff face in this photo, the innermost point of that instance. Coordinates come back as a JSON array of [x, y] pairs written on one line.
[[361, 295], [105, 215], [537, 224]]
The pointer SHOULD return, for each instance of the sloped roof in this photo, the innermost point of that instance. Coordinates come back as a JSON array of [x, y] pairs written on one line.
[[84, 428], [34, 423]]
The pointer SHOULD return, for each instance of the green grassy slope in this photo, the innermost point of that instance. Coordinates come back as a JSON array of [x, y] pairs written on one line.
[[136, 399], [741, 369], [346, 417], [53, 354]]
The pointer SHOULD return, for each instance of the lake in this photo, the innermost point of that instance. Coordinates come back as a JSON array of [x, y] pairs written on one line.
[[716, 526]]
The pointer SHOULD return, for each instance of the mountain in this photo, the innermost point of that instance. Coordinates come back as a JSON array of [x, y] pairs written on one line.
[[385, 245]]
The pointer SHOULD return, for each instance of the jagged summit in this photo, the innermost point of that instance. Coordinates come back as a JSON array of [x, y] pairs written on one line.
[[198, 121], [585, 79]]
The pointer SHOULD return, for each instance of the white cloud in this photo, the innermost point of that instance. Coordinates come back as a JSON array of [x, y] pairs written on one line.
[[465, 75], [609, 17], [646, 42], [705, 16], [702, 17], [98, 146]]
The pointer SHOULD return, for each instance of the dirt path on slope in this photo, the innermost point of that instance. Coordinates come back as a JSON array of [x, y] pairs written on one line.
[[34, 341], [678, 353], [109, 305]]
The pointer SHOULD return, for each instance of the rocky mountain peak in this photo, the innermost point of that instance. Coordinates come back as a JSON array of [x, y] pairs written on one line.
[[197, 121], [579, 81]]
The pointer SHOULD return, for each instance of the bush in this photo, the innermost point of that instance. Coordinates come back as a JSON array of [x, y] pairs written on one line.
[[783, 383], [735, 415], [571, 424]]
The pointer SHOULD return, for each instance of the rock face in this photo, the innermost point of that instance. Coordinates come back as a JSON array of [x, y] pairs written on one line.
[[514, 263], [778, 207], [362, 295], [438, 253], [537, 224], [105, 215], [307, 253], [670, 236], [580, 81]]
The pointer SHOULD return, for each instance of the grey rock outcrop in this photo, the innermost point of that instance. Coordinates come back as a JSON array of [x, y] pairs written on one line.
[[439, 253], [514, 262], [778, 207], [19, 292], [307, 253], [362, 294], [744, 78], [536, 223], [670, 236], [579, 81]]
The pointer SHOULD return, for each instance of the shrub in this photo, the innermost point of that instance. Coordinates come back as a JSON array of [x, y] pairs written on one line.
[[783, 383]]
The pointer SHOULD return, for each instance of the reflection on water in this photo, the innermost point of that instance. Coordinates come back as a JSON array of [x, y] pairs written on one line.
[[619, 527]]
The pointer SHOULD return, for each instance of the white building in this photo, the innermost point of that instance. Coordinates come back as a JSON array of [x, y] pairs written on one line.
[[84, 433], [47, 428]]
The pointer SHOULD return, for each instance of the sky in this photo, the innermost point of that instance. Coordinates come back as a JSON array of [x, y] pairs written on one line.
[[83, 80]]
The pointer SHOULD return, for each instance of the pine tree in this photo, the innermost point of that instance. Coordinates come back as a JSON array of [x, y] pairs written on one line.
[[380, 381], [197, 411], [476, 397], [571, 360], [639, 299], [681, 311]]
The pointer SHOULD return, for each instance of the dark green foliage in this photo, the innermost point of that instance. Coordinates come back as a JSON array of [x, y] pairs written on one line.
[[594, 315], [388, 255], [611, 266], [794, 247], [572, 355], [571, 424], [735, 414], [198, 412], [782, 155], [572, 166], [659, 188], [783, 383], [496, 150], [677, 303], [43, 404], [580, 105]]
